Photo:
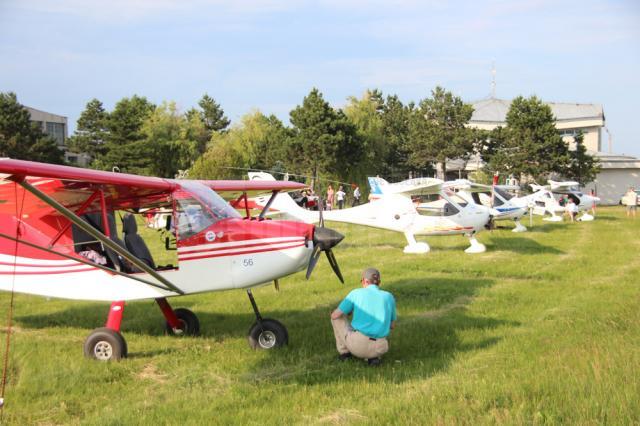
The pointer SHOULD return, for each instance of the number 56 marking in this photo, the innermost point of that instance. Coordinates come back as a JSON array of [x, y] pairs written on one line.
[[247, 262]]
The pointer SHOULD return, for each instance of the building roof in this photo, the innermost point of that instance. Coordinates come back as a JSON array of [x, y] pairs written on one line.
[[494, 110], [616, 161], [38, 113]]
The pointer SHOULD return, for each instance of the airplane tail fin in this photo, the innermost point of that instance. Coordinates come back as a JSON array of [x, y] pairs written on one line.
[[283, 203], [377, 186], [536, 187]]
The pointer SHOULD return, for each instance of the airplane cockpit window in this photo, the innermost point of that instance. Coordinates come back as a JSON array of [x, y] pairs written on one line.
[[460, 198], [504, 194], [449, 210], [199, 207]]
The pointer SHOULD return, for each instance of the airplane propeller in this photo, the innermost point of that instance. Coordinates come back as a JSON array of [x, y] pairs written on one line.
[[324, 239]]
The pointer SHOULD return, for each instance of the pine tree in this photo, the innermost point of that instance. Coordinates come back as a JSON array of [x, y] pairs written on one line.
[[438, 130], [532, 145], [126, 146], [583, 167], [212, 115], [323, 139], [91, 131], [20, 138]]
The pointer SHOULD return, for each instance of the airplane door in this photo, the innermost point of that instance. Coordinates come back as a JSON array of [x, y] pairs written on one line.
[[203, 249]]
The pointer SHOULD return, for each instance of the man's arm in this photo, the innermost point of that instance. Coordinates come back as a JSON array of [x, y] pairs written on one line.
[[336, 314], [393, 325]]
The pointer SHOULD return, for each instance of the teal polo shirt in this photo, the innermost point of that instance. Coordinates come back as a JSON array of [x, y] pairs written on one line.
[[373, 310]]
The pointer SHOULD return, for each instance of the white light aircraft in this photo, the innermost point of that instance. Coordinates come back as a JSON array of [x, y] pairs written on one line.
[[396, 212], [503, 204], [550, 205], [58, 238]]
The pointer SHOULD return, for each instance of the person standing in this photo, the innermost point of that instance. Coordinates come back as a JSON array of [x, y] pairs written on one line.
[[631, 201], [373, 317], [356, 196], [340, 197], [330, 196]]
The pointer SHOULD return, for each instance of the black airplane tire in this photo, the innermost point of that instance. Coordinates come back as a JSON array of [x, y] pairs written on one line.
[[190, 323], [105, 344], [268, 334]]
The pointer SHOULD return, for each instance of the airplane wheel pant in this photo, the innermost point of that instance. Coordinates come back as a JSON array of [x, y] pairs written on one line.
[[268, 334], [105, 344]]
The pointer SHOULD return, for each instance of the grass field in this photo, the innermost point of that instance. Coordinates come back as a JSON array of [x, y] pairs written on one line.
[[543, 328]]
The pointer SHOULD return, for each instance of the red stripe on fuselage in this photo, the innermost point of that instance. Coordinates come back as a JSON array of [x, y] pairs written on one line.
[[239, 246], [48, 272], [183, 259]]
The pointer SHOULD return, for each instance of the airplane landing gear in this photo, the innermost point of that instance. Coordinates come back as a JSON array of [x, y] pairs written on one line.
[[586, 217], [414, 247], [519, 227], [105, 344], [553, 218], [181, 321], [266, 333], [476, 246]]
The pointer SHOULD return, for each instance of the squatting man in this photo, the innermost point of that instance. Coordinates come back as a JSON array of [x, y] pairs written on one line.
[[374, 316]]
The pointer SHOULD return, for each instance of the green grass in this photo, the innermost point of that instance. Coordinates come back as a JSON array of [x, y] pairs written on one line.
[[544, 328]]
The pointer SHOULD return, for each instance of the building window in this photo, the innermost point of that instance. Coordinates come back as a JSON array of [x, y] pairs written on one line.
[[56, 131]]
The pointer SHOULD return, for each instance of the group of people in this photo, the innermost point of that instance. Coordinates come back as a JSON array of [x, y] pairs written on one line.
[[338, 198]]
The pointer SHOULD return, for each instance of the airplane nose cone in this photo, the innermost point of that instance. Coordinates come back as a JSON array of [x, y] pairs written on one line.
[[325, 238]]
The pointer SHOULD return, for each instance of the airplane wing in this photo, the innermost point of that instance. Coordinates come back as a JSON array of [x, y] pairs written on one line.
[[563, 187], [408, 188], [233, 189], [40, 202], [72, 186]]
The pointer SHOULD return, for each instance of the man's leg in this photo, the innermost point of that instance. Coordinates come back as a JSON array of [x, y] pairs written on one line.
[[340, 330]]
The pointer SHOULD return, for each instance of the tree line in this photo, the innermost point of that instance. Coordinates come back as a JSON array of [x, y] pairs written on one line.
[[371, 135]]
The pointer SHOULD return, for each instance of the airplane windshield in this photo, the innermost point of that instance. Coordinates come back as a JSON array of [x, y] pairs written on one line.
[[199, 207], [504, 194]]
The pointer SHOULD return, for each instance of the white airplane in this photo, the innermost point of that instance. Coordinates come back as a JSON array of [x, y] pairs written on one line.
[[546, 201], [396, 212], [503, 205]]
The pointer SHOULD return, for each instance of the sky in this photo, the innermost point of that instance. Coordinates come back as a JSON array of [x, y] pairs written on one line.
[[268, 55]]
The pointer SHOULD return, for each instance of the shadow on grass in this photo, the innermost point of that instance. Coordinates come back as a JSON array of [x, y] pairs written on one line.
[[432, 314], [607, 218], [431, 321], [521, 245]]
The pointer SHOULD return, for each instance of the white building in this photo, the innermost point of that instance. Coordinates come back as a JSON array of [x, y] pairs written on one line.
[[618, 172], [56, 126]]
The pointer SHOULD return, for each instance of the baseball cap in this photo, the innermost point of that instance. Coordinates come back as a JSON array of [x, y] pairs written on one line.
[[372, 275]]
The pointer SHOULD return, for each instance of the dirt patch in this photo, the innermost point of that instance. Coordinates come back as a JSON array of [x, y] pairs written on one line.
[[341, 417], [150, 372]]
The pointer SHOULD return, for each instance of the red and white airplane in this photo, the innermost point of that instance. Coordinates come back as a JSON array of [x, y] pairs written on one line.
[[54, 243]]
